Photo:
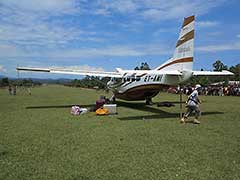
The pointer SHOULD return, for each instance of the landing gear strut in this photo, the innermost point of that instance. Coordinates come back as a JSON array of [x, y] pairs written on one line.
[[113, 99], [149, 101]]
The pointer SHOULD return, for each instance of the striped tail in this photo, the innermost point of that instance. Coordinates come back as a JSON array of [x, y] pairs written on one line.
[[182, 59]]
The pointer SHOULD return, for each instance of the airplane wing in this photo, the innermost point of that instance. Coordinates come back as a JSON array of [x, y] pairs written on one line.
[[73, 72], [141, 72], [212, 73]]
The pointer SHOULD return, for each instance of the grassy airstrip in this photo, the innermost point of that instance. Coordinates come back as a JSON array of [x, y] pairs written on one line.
[[40, 139]]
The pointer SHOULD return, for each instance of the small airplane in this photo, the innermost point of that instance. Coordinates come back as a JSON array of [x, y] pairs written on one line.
[[145, 84]]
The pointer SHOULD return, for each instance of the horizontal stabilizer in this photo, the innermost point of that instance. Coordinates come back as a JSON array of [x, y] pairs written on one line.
[[212, 73]]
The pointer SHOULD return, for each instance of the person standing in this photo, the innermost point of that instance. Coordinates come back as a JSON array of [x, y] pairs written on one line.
[[14, 90], [10, 90], [193, 106]]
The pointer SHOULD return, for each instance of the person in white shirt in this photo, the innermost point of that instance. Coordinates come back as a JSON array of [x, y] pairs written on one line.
[[193, 106]]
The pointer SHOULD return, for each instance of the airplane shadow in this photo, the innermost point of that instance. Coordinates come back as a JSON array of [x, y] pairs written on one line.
[[162, 114], [158, 113], [141, 106]]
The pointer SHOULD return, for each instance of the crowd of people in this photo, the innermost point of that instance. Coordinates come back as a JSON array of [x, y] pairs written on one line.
[[13, 89], [221, 91], [216, 90]]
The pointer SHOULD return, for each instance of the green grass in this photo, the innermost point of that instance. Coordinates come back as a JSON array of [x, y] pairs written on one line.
[[40, 139]]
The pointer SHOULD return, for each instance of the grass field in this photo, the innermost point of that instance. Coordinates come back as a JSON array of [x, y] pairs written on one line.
[[40, 139]]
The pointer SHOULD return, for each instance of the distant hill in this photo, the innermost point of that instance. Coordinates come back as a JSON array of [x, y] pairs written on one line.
[[43, 81], [52, 81]]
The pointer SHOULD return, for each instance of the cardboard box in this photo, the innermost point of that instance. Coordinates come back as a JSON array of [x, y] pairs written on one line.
[[112, 108]]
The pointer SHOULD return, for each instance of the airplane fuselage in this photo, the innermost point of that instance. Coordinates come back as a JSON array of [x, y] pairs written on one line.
[[143, 86]]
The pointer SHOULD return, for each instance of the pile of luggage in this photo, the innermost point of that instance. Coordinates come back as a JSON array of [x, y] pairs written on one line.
[[102, 107]]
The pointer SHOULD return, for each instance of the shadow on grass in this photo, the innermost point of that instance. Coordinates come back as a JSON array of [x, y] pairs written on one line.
[[139, 106], [59, 106], [162, 114], [158, 113], [3, 151]]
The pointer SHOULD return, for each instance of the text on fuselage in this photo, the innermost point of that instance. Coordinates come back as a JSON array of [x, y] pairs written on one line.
[[153, 78]]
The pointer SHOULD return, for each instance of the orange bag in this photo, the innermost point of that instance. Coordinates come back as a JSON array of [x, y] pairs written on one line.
[[102, 111]]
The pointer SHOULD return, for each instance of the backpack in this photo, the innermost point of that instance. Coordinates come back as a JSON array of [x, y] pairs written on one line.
[[75, 110]]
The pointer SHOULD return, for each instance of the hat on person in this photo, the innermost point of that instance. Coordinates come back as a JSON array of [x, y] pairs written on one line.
[[197, 86]]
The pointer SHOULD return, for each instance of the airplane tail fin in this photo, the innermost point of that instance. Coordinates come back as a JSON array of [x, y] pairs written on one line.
[[182, 59]]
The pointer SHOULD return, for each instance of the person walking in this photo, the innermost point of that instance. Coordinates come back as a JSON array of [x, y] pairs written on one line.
[[193, 105]]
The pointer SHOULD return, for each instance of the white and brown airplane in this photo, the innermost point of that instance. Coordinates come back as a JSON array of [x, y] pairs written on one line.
[[145, 84]]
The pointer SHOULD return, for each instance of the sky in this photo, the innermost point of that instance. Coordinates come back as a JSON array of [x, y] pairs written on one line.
[[105, 34]]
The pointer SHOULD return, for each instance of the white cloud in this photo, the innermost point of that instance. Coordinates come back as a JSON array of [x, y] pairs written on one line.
[[206, 24], [83, 67], [2, 69], [10, 50], [158, 10], [37, 28], [126, 6], [36, 25], [51, 6], [238, 36], [117, 51], [221, 47], [111, 51]]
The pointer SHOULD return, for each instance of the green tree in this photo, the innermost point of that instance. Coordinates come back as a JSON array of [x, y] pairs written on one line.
[[4, 82], [144, 66], [136, 68], [219, 66], [236, 71], [203, 81]]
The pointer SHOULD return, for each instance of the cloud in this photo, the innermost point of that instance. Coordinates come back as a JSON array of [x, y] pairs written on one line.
[[41, 25], [83, 67], [38, 25], [157, 10], [52, 6], [117, 51], [238, 36], [2, 69], [111, 51], [221, 47], [206, 24], [123, 7]]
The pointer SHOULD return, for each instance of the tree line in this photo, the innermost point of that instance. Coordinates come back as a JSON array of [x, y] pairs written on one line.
[[4, 82]]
